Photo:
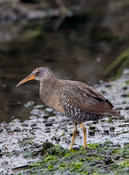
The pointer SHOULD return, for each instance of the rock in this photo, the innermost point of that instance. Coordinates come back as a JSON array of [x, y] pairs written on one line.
[[76, 148], [112, 128], [119, 108], [25, 124], [95, 121], [108, 85], [32, 117], [29, 104], [38, 106], [33, 124], [16, 152], [46, 116], [35, 127], [67, 140], [127, 108], [37, 145], [17, 129], [125, 88], [8, 128], [47, 130], [1, 129], [49, 110], [124, 95], [103, 92], [92, 127], [106, 132], [56, 138], [108, 161], [91, 133], [37, 112], [49, 123]]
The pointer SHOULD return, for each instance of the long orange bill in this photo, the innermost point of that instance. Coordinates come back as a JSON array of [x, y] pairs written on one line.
[[28, 78]]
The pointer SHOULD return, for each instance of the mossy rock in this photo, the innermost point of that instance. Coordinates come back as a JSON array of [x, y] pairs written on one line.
[[98, 159]]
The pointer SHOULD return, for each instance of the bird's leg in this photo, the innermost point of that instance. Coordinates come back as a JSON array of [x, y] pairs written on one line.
[[74, 135], [84, 133]]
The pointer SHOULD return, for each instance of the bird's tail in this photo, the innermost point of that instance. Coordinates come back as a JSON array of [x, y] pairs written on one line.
[[113, 112]]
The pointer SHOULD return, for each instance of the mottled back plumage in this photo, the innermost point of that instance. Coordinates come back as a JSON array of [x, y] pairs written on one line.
[[81, 102], [77, 100]]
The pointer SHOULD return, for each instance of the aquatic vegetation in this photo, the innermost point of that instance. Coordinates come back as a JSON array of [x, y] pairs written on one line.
[[98, 159], [122, 61]]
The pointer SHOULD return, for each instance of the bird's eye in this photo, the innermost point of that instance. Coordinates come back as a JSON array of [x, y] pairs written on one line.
[[37, 73]]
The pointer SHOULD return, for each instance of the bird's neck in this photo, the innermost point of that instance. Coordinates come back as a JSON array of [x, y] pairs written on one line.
[[47, 89]]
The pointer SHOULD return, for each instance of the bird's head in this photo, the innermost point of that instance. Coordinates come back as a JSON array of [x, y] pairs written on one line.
[[40, 74]]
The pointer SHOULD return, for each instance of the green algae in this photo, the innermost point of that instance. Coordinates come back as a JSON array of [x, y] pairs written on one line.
[[98, 159]]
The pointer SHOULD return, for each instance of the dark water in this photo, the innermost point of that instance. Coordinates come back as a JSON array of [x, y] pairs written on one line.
[[69, 52]]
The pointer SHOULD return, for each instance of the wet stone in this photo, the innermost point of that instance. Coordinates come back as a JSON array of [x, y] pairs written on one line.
[[44, 121], [119, 108], [1, 129], [33, 124], [29, 104], [70, 122], [17, 129], [76, 148], [124, 95], [49, 123], [127, 108], [125, 88], [45, 116], [16, 152], [103, 92], [8, 128], [117, 157], [108, 161], [38, 106], [125, 144], [91, 133], [67, 141], [122, 126], [95, 121], [63, 127], [35, 127], [33, 117], [64, 120], [25, 124], [71, 134], [16, 120], [112, 128], [25, 138], [106, 132], [47, 130], [124, 102], [51, 119], [49, 110], [108, 85], [56, 138], [37, 112], [92, 128], [37, 145]]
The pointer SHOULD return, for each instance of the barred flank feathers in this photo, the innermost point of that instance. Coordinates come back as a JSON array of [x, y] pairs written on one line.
[[80, 116]]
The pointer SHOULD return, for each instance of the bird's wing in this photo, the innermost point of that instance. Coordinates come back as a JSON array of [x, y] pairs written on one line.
[[87, 99]]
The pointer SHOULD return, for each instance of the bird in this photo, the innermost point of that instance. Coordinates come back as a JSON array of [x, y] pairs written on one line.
[[77, 100]]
